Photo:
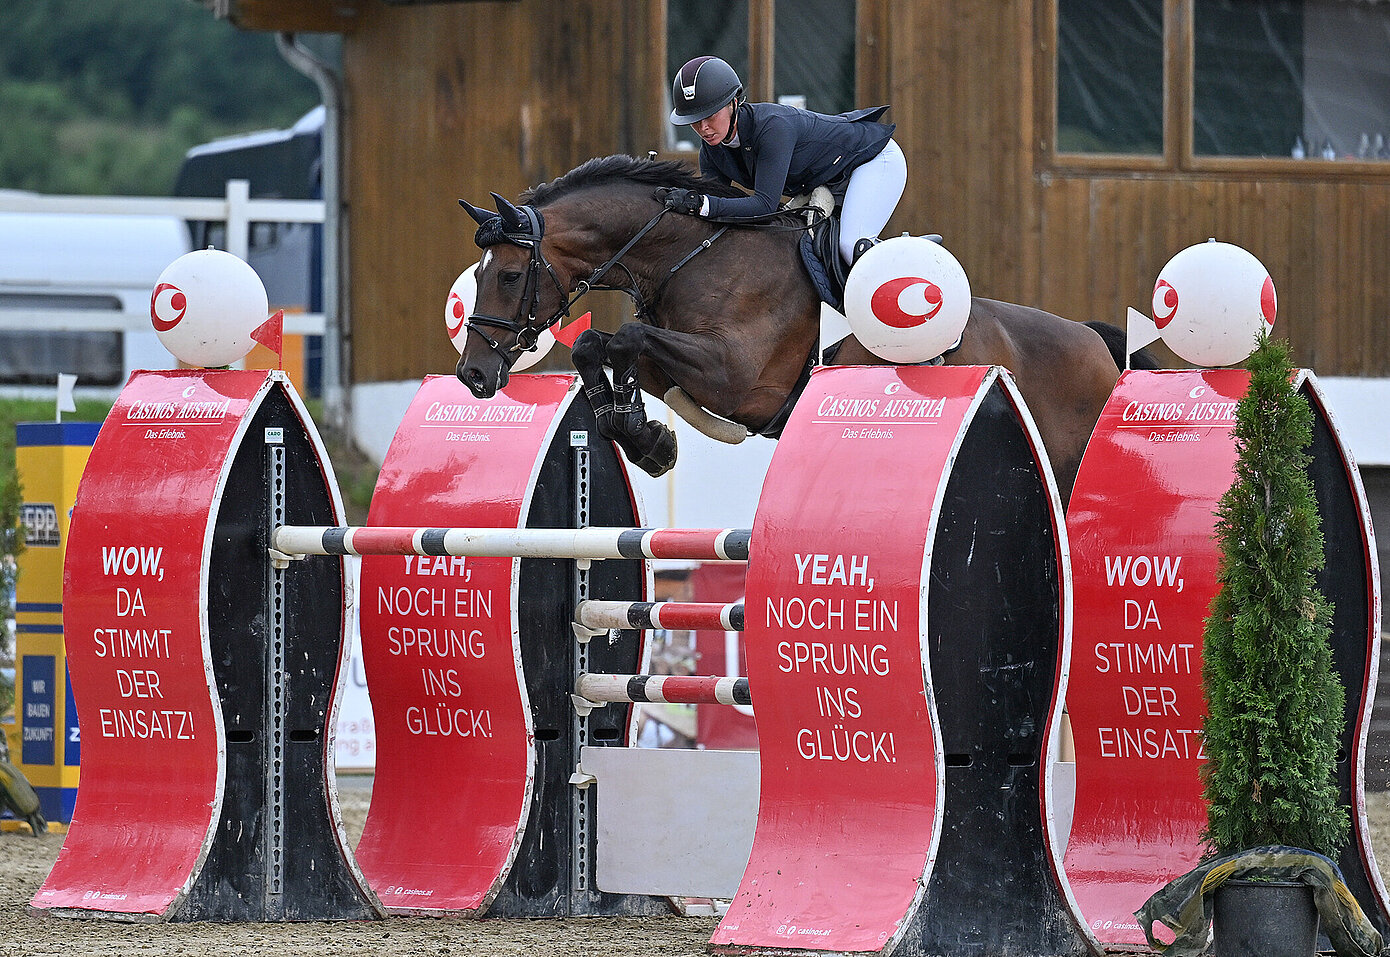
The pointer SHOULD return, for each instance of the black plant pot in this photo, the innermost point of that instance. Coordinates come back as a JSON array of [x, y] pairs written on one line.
[[1264, 919]]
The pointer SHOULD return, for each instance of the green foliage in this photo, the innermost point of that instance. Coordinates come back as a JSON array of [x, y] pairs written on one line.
[[1274, 704], [105, 96], [356, 473], [11, 544]]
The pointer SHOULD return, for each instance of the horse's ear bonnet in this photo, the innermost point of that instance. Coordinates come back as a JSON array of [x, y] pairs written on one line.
[[522, 225], [480, 216]]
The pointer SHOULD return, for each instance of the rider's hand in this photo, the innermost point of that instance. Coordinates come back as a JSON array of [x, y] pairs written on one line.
[[681, 200]]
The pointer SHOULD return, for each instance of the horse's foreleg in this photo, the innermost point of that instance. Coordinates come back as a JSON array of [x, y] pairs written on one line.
[[619, 411], [649, 444], [589, 356]]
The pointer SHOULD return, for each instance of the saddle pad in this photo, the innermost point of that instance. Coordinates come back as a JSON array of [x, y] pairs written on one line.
[[820, 253]]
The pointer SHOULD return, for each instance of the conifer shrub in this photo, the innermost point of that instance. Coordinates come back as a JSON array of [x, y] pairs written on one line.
[[1274, 718]]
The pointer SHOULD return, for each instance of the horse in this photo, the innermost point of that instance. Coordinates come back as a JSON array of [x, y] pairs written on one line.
[[726, 315]]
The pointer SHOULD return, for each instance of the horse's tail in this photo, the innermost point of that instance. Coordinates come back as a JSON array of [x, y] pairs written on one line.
[[1116, 341]]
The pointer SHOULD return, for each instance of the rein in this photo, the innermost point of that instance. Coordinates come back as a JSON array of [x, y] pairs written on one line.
[[529, 235]]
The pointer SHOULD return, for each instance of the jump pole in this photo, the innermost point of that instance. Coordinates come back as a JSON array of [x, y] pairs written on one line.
[[597, 616], [571, 544], [672, 689]]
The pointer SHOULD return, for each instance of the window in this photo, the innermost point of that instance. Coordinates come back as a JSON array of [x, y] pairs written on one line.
[[813, 60], [698, 27], [1324, 66], [1110, 76], [1247, 77], [811, 51], [1243, 78], [36, 358]]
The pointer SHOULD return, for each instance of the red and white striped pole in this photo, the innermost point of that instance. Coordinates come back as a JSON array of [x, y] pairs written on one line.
[[674, 689], [598, 616], [688, 544]]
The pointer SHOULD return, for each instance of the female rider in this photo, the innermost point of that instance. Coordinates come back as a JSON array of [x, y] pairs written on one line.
[[777, 151]]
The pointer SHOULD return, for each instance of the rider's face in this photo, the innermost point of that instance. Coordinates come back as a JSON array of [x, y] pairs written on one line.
[[714, 129]]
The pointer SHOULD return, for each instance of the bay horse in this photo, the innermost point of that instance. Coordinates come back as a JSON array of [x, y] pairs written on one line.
[[727, 314]]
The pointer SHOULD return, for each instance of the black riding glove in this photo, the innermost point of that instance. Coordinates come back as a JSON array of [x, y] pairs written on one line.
[[681, 200]]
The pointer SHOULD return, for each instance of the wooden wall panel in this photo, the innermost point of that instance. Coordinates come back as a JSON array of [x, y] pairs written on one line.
[[1375, 321], [458, 99], [1324, 244], [961, 95]]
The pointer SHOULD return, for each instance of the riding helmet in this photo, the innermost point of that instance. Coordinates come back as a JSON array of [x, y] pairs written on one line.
[[702, 88]]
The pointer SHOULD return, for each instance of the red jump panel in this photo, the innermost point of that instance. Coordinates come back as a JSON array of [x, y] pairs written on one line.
[[902, 774], [1144, 560], [1144, 567], [455, 751], [470, 659], [205, 793], [137, 648]]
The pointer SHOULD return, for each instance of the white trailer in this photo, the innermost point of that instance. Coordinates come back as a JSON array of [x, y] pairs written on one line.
[[75, 295]]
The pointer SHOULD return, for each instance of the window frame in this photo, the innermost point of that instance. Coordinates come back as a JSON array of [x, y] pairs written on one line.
[[759, 80], [1178, 156]]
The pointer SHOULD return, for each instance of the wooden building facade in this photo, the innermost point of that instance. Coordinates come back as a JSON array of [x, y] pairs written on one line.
[[451, 99]]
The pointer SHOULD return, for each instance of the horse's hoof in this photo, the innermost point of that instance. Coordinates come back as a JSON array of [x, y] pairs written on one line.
[[658, 445]]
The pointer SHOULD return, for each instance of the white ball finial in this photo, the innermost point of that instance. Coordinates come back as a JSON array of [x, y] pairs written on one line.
[[1211, 303], [907, 299], [205, 306]]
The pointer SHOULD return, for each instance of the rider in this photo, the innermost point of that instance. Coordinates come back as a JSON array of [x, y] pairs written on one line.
[[778, 150]]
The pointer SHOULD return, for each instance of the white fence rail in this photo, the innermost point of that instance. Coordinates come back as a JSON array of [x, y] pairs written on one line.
[[237, 209]]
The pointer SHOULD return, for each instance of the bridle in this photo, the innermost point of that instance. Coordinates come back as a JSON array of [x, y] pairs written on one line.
[[527, 233], [524, 226], [527, 230]]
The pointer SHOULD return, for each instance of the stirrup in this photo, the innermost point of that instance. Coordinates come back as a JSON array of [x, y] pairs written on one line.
[[863, 246]]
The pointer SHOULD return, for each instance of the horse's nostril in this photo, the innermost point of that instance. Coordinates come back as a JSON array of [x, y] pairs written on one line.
[[475, 381]]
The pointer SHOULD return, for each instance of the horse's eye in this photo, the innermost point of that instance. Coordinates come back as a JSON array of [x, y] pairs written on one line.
[[511, 278]]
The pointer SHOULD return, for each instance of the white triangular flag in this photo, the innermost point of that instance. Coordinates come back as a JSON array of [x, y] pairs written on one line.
[[65, 402], [1139, 331], [833, 327]]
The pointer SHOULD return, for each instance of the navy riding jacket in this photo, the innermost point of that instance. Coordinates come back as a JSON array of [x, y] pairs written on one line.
[[784, 151]]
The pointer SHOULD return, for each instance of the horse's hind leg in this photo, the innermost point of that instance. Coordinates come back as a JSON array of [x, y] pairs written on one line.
[[619, 410]]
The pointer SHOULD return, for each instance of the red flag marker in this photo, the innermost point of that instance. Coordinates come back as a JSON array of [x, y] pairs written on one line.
[[567, 334], [271, 334]]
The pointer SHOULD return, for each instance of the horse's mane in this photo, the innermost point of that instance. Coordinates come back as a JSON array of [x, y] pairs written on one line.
[[605, 170]]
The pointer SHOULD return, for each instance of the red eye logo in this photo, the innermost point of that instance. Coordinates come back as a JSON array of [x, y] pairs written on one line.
[[454, 314], [887, 305], [1165, 303], [1268, 304], [168, 305]]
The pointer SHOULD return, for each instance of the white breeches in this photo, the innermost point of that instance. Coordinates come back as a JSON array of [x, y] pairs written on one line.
[[871, 196]]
